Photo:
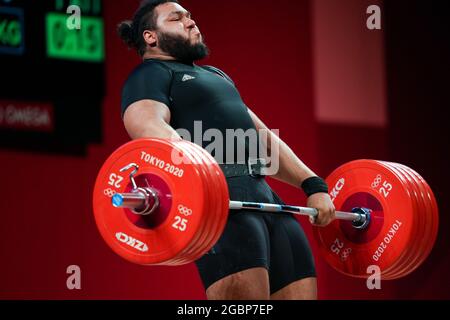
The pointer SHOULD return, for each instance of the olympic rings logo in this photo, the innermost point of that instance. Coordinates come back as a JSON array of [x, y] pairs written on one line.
[[376, 183], [346, 254], [184, 210], [109, 192]]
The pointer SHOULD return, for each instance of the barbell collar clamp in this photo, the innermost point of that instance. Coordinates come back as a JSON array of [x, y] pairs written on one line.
[[142, 201]]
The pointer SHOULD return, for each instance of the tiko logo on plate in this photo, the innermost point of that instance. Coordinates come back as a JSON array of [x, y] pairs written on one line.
[[132, 242], [337, 188]]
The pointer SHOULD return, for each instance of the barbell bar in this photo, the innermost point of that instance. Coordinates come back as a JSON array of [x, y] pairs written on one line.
[[138, 199]]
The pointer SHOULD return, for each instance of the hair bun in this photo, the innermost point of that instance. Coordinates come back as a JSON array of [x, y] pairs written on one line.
[[125, 31]]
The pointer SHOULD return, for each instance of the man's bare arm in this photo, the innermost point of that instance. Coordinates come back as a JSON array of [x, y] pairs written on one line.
[[291, 169], [149, 119]]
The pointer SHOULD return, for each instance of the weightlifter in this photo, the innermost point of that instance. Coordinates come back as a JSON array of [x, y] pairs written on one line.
[[259, 255]]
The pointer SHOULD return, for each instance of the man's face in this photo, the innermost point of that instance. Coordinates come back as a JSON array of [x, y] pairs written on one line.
[[178, 34]]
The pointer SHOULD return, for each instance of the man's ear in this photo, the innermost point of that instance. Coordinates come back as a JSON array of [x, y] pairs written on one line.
[[150, 38]]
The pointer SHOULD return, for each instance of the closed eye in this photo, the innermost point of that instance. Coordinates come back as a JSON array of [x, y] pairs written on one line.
[[178, 15]]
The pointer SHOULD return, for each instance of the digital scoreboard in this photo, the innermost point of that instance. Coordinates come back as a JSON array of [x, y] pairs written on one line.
[[82, 43], [11, 31], [52, 56], [85, 45]]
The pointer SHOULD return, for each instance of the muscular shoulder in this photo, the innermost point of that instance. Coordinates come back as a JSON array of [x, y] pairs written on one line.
[[150, 69], [149, 81]]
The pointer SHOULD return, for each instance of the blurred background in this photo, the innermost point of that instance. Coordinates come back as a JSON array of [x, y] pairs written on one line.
[[336, 90]]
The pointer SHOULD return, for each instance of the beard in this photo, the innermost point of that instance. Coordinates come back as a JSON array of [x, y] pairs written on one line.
[[182, 49]]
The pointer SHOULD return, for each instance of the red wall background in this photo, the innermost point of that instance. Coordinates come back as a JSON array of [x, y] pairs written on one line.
[[47, 220]]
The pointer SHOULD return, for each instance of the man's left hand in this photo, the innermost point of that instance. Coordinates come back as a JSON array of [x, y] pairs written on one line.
[[322, 202]]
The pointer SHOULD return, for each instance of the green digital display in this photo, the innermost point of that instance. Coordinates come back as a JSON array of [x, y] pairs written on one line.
[[11, 31], [84, 44]]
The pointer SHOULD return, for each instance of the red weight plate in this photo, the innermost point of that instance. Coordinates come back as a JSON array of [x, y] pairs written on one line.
[[162, 239], [390, 272], [210, 165], [417, 243], [190, 252], [212, 215], [426, 220], [432, 217], [220, 214], [208, 223], [412, 252], [368, 184]]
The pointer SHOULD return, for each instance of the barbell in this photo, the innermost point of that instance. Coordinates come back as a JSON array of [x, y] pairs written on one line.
[[161, 202]]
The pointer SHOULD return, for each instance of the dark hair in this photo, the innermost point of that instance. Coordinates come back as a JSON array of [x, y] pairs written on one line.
[[130, 31]]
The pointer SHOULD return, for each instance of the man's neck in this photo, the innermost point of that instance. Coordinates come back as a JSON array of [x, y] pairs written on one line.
[[165, 58], [157, 56]]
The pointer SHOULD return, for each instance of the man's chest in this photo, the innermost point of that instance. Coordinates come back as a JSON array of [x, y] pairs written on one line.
[[198, 89]]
